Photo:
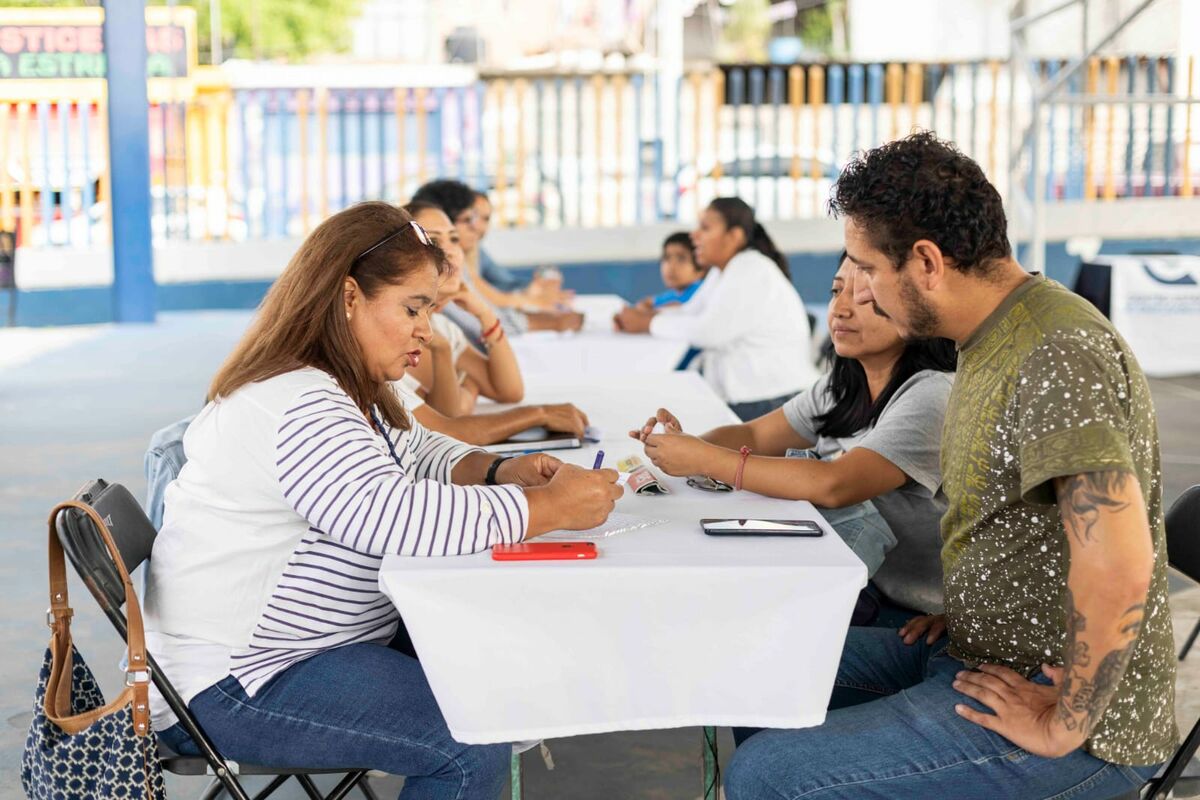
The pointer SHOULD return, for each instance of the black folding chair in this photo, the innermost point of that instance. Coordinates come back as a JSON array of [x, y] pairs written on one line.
[[1183, 545], [134, 535], [1183, 553]]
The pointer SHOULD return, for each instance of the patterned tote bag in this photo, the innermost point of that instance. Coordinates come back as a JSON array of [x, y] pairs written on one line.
[[79, 747]]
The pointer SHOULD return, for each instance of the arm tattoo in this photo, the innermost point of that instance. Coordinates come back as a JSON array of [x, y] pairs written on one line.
[[1082, 498], [1083, 699]]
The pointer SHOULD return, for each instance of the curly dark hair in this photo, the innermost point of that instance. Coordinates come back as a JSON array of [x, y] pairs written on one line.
[[921, 187]]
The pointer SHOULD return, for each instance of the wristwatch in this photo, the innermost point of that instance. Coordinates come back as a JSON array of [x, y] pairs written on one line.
[[490, 478]]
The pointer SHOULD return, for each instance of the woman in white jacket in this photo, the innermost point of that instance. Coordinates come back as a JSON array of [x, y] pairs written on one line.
[[746, 319]]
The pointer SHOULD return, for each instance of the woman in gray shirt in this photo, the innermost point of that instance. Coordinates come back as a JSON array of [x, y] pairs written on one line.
[[862, 443]]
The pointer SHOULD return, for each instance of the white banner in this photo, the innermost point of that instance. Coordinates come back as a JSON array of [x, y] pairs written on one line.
[[1156, 307]]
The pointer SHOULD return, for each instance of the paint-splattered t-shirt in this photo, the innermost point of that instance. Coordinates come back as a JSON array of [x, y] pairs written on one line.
[[1046, 388]]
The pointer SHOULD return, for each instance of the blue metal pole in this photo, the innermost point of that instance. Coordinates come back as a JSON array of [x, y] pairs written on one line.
[[875, 98], [757, 89], [1073, 186], [1151, 112], [836, 96], [737, 95], [129, 161], [857, 95]]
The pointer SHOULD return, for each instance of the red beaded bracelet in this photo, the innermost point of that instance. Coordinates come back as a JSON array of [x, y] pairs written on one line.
[[490, 330]]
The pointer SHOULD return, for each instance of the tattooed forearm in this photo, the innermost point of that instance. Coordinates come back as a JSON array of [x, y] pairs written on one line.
[[1083, 697], [1082, 498]]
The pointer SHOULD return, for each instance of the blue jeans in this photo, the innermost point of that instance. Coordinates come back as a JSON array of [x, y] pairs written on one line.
[[909, 743], [365, 706]]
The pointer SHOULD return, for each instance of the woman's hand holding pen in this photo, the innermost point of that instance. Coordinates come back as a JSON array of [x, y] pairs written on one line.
[[575, 499]]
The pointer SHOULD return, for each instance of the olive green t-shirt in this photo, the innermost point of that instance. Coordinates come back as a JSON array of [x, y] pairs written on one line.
[[1047, 388]]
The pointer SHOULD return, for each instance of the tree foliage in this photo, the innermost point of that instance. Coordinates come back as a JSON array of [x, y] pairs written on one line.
[[267, 29], [744, 37]]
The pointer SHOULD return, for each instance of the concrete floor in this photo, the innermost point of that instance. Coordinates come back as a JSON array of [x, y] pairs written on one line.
[[81, 403]]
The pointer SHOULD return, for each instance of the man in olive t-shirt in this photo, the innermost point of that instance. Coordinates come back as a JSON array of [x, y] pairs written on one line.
[[1051, 673], [1046, 389]]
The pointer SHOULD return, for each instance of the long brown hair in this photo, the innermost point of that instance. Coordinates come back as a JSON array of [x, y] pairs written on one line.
[[302, 320]]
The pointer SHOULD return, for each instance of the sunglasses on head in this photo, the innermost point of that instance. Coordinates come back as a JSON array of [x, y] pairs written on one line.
[[422, 237]]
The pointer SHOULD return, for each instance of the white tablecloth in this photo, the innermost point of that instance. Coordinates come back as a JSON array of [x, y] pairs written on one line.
[[598, 310], [596, 353], [597, 349], [666, 628], [617, 404]]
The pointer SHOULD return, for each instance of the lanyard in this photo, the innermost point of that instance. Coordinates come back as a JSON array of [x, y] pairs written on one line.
[[386, 438]]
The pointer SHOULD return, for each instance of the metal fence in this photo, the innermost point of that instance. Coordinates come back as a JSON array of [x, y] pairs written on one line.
[[583, 150]]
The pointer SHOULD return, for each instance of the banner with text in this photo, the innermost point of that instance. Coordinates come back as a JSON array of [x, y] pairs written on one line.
[[1156, 307]]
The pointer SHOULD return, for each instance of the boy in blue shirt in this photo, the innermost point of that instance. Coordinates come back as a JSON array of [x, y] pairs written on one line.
[[680, 272]]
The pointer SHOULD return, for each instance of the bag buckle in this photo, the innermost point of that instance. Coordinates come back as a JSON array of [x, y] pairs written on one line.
[[51, 620], [137, 676]]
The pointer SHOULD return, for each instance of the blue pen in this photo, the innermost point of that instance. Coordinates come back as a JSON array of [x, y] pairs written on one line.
[[599, 460]]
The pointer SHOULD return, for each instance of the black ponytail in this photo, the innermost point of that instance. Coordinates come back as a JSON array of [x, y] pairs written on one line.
[[763, 244], [737, 213]]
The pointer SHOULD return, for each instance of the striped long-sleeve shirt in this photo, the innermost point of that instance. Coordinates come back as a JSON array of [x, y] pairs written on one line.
[[275, 529]]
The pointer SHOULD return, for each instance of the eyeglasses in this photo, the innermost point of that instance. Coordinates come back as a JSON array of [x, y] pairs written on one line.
[[422, 237]]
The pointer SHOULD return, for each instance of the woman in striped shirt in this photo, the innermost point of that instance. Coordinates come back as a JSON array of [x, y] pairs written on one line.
[[303, 472]]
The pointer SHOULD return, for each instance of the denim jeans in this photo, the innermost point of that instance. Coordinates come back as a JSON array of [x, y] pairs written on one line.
[[364, 706], [909, 744]]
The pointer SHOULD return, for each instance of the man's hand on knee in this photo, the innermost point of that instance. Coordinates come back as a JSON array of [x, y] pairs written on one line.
[[1024, 712]]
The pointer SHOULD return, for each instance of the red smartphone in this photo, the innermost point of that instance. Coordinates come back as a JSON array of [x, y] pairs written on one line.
[[544, 551]]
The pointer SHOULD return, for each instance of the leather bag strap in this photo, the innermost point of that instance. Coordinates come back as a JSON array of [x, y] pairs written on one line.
[[137, 675]]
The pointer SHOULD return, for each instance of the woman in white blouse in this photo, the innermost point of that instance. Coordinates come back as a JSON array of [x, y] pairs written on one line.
[[746, 319], [303, 472]]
